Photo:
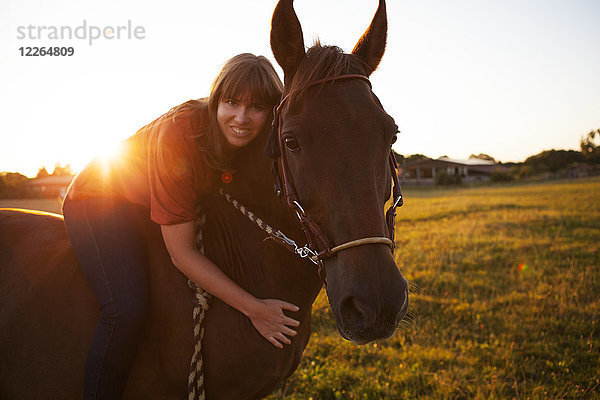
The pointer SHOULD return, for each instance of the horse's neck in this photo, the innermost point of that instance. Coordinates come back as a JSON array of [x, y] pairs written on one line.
[[253, 187], [237, 244]]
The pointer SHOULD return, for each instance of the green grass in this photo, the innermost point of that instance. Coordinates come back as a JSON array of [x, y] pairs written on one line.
[[505, 302]]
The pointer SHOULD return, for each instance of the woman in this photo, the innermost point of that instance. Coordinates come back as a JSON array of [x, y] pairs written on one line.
[[161, 174]]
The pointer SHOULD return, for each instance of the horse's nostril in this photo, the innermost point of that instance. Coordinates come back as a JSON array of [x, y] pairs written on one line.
[[355, 314]]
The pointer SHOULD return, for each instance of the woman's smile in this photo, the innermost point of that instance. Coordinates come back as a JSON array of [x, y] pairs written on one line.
[[241, 119], [240, 131]]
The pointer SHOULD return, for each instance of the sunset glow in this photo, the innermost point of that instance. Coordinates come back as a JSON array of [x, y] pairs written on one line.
[[508, 79]]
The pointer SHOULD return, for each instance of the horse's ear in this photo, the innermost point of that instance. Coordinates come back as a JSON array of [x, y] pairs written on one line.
[[371, 46], [287, 42]]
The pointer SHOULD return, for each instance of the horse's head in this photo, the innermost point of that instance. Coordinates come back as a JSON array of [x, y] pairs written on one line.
[[335, 138]]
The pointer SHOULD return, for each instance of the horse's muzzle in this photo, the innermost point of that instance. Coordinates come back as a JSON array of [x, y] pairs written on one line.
[[365, 319]]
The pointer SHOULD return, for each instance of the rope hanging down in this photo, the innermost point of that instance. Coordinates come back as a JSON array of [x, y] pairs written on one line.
[[202, 298], [201, 304]]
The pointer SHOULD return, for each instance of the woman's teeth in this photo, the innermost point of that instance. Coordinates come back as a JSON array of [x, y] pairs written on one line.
[[240, 131]]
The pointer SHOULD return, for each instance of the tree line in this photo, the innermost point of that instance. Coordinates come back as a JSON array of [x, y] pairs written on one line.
[[553, 163], [14, 184]]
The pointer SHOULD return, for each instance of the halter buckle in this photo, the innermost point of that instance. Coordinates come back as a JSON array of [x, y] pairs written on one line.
[[303, 252]]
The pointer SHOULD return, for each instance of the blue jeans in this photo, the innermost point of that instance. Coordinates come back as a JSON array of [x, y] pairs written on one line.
[[108, 238]]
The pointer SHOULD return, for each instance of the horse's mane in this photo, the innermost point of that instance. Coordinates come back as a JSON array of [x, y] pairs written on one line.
[[321, 62]]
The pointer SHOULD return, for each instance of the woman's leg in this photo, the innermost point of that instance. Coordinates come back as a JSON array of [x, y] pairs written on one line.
[[108, 240]]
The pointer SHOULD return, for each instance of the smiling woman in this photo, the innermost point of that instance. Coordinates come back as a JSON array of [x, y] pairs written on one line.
[[160, 174]]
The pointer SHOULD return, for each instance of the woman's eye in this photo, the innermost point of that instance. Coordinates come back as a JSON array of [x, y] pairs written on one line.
[[230, 102], [292, 144]]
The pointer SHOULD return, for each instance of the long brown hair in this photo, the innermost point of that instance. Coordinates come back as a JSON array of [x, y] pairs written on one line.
[[240, 75]]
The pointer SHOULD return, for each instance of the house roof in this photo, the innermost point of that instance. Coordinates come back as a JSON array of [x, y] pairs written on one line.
[[474, 164], [445, 161], [470, 161]]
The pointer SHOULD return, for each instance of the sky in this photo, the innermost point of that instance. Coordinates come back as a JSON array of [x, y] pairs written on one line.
[[509, 78]]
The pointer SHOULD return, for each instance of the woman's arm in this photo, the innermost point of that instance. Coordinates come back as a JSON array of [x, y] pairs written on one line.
[[267, 316]]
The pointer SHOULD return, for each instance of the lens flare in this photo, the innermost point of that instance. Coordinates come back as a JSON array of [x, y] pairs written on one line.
[[226, 177], [523, 267]]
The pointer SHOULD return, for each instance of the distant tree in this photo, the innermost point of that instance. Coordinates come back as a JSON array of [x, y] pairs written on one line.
[[552, 160], [482, 156], [522, 171], [501, 176], [416, 157], [13, 178], [62, 171], [399, 157], [590, 146], [42, 173], [12, 185]]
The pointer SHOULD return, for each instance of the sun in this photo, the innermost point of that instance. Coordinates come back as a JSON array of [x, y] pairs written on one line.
[[106, 154], [109, 150]]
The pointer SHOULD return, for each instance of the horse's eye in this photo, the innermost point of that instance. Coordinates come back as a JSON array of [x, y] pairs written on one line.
[[292, 144], [395, 137]]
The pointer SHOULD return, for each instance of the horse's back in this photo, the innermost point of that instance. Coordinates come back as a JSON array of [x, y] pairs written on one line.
[[29, 243], [47, 310]]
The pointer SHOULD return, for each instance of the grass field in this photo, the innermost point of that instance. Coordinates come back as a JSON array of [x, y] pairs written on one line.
[[505, 302], [48, 205]]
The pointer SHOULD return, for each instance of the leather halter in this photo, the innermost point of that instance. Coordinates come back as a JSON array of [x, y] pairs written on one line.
[[318, 243]]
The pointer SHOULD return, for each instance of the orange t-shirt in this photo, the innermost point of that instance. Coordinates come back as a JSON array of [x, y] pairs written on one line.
[[159, 167]]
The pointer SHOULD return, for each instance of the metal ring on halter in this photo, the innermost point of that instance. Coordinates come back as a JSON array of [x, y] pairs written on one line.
[[398, 201], [300, 214], [307, 252]]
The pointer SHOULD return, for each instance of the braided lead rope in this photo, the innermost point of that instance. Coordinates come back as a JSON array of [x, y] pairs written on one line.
[[201, 304], [251, 216]]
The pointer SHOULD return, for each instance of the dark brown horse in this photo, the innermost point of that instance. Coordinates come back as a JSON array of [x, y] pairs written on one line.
[[337, 139]]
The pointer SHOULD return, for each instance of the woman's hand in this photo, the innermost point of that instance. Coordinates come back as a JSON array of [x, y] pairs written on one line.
[[270, 321]]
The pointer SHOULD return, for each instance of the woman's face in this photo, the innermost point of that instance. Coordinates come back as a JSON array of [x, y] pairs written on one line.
[[241, 120]]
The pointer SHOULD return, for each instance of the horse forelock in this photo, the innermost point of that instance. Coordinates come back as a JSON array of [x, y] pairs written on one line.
[[321, 62]]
